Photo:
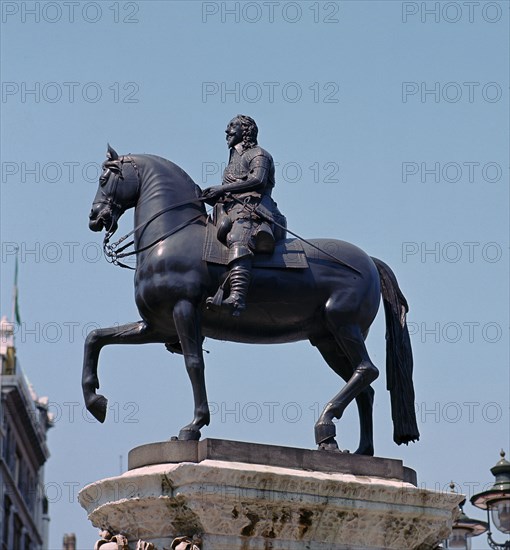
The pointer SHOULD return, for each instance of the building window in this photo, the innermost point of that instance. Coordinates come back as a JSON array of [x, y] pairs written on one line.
[[17, 532], [30, 493], [17, 468], [7, 442], [7, 520]]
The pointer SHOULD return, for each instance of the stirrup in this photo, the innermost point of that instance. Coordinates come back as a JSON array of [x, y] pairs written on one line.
[[214, 303], [236, 303]]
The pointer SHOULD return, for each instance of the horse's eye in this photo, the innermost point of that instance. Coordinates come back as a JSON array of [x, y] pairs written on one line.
[[104, 177]]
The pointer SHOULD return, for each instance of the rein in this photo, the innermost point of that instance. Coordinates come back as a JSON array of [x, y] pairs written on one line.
[[113, 253]]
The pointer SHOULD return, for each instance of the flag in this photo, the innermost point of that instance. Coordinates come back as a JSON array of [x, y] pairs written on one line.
[[17, 317]]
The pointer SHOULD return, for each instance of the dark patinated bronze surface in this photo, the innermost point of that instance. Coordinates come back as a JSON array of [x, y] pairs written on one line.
[[332, 302]]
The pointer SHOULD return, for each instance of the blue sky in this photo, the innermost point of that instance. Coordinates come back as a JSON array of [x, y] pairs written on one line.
[[389, 125]]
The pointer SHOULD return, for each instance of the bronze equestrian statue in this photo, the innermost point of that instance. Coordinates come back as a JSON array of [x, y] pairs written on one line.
[[329, 295]]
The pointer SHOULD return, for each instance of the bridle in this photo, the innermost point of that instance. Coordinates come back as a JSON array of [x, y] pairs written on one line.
[[110, 201], [112, 251]]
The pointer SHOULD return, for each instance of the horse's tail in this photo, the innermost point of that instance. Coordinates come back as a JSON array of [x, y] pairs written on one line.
[[399, 358]]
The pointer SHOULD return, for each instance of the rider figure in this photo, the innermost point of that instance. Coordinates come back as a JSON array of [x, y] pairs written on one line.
[[247, 184]]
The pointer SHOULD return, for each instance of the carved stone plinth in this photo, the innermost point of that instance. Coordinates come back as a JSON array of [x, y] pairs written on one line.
[[267, 497]]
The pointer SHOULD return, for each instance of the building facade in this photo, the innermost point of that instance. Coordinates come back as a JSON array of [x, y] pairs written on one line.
[[24, 423]]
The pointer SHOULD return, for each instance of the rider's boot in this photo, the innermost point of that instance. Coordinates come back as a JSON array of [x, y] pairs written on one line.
[[239, 278]]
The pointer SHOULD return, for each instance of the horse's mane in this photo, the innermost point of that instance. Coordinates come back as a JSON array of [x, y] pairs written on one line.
[[160, 171]]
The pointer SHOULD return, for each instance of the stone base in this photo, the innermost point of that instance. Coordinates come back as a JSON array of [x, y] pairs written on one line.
[[242, 496]]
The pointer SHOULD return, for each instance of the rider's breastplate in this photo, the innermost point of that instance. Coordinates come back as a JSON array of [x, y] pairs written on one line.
[[240, 166]]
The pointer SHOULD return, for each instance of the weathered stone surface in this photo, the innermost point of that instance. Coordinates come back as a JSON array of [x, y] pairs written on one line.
[[269, 455], [164, 452], [235, 505]]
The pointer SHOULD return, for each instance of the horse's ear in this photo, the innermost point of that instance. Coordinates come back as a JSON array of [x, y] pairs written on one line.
[[111, 154]]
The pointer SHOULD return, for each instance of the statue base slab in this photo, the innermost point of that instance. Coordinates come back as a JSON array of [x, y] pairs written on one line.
[[244, 496]]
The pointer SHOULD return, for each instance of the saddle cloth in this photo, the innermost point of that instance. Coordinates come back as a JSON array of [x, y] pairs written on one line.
[[287, 253]]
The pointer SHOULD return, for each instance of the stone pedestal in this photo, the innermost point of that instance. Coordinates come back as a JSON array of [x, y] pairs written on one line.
[[243, 496]]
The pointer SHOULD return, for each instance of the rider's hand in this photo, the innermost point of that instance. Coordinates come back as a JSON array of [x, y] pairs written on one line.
[[212, 194], [229, 178]]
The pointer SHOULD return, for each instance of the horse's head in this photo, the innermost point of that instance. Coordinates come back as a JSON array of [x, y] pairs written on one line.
[[118, 190]]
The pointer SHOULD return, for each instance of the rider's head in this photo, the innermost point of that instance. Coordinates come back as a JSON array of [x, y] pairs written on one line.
[[249, 130]]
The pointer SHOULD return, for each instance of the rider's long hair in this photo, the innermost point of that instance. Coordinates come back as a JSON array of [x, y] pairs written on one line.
[[250, 131]]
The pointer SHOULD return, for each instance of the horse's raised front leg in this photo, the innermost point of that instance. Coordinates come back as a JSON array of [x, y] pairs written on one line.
[[364, 372], [132, 333], [187, 323]]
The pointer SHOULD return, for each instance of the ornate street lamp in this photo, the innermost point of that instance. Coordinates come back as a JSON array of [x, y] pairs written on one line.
[[464, 528], [497, 502]]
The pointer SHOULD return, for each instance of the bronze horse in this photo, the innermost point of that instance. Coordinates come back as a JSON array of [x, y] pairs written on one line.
[[331, 303]]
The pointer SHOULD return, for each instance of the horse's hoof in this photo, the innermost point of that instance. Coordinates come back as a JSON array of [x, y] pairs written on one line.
[[189, 434], [174, 347], [366, 451], [324, 431], [97, 407]]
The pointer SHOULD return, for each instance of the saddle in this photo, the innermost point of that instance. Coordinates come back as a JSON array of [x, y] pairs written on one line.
[[288, 253]]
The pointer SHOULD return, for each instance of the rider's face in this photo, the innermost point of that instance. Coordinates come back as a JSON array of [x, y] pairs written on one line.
[[234, 133]]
